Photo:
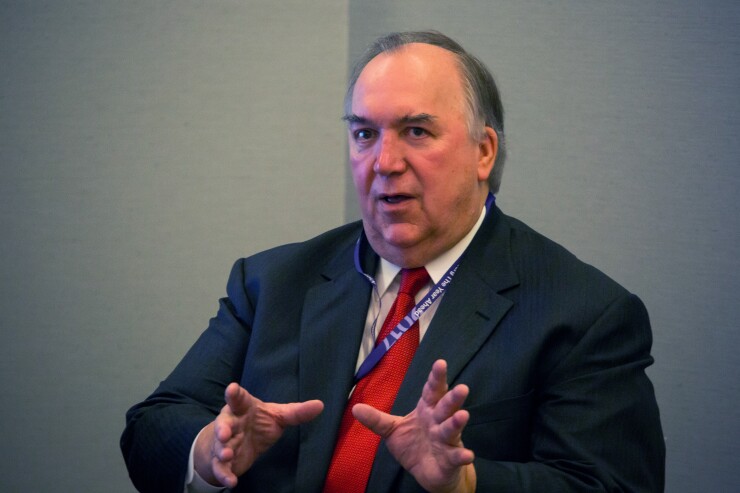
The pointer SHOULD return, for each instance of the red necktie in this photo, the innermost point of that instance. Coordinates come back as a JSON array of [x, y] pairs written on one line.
[[356, 445]]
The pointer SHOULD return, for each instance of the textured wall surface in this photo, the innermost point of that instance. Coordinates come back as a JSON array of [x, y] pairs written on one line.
[[144, 146]]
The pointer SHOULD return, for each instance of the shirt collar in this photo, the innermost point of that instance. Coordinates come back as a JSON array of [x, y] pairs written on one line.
[[436, 268]]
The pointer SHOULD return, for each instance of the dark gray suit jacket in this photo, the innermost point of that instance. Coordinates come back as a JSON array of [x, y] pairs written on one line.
[[553, 351]]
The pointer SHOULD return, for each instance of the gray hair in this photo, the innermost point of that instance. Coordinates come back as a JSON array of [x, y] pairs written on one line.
[[481, 94]]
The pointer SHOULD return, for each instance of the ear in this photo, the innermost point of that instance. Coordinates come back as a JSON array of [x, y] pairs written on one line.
[[488, 147]]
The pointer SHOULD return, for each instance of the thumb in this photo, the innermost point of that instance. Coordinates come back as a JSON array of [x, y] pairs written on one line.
[[378, 422], [296, 413]]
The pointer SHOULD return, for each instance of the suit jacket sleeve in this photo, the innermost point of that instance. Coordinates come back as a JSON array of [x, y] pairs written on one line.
[[595, 425], [590, 425], [160, 431]]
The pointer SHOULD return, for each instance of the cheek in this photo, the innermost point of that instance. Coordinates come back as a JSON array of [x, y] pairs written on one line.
[[440, 172], [361, 174], [449, 186]]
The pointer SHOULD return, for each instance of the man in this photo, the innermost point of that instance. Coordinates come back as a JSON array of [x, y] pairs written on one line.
[[546, 354]]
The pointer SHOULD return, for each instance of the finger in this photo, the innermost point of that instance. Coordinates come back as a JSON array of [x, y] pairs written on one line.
[[459, 456], [221, 464], [296, 413], [238, 399], [436, 384], [223, 473], [378, 422], [224, 425], [228, 425], [450, 403], [225, 454], [450, 430]]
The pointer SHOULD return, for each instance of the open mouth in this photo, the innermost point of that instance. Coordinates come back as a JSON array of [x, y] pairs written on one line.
[[394, 199]]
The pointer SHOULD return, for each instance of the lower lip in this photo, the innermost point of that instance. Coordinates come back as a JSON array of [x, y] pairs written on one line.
[[395, 204], [396, 201]]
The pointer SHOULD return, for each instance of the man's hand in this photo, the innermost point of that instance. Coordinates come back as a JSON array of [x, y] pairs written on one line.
[[426, 442], [246, 427]]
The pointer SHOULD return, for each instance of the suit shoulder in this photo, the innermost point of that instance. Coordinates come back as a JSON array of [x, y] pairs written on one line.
[[537, 258], [306, 256]]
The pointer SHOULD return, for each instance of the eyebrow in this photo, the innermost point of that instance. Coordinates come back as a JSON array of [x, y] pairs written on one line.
[[404, 120]]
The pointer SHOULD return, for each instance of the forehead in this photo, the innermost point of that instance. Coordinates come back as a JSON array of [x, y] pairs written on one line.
[[416, 78]]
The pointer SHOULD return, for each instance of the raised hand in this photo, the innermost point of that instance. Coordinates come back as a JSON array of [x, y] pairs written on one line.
[[427, 442], [244, 429]]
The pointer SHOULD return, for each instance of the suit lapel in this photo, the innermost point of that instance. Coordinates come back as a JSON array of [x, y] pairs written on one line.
[[467, 316], [331, 330]]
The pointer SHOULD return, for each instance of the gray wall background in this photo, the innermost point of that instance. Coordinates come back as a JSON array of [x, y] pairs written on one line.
[[144, 146]]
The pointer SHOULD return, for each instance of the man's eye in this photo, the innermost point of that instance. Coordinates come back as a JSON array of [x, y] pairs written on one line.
[[363, 134], [417, 132]]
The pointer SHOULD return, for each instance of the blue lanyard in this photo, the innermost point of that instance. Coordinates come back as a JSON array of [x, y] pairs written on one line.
[[405, 324]]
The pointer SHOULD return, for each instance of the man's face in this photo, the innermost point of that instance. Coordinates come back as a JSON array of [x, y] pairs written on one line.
[[420, 177]]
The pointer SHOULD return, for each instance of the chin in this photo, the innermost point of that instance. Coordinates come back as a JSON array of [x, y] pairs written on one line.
[[401, 236], [391, 238]]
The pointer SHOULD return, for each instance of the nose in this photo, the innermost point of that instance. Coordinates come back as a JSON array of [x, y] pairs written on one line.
[[389, 155]]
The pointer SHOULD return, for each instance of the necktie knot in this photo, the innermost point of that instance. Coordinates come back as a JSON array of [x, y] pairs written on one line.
[[412, 280]]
